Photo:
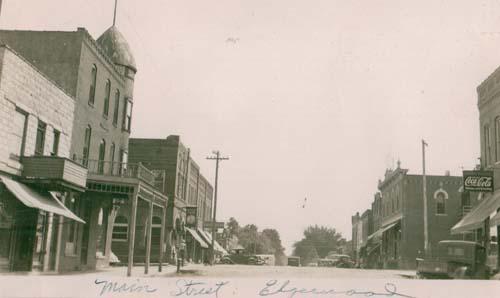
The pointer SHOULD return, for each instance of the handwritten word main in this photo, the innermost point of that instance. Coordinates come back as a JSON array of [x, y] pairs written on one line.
[[124, 287]]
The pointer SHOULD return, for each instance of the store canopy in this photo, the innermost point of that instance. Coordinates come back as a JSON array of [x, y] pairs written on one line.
[[217, 246], [33, 199], [197, 238], [495, 220], [475, 218], [380, 231]]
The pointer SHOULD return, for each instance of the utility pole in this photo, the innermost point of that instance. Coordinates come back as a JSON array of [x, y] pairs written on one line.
[[217, 158], [424, 184]]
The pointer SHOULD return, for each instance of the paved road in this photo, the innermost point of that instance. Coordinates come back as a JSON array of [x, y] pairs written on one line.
[[229, 271]]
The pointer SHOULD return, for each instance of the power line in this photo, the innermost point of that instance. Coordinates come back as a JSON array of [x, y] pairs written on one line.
[[217, 158]]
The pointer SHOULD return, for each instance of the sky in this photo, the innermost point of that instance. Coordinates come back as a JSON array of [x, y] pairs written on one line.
[[309, 99]]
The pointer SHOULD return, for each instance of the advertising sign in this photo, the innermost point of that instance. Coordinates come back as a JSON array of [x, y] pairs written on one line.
[[478, 181], [218, 224]]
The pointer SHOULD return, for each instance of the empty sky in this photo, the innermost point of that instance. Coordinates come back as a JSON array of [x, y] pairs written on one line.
[[308, 98]]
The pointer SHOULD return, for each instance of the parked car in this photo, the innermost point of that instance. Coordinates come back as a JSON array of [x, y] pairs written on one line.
[[293, 261], [455, 259], [326, 263]]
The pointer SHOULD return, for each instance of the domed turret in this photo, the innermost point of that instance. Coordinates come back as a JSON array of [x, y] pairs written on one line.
[[117, 48]]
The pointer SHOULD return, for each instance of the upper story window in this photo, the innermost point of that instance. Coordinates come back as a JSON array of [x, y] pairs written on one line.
[[112, 149], [117, 107], [86, 146], [55, 143], [93, 81], [102, 154], [487, 145], [107, 93], [19, 132], [127, 114], [40, 137], [440, 196]]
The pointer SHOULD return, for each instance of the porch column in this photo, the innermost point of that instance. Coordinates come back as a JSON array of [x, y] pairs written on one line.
[[59, 235], [48, 241], [148, 238], [162, 236], [131, 231], [109, 231]]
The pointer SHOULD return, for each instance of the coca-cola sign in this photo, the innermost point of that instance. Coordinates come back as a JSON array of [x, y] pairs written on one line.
[[478, 180]]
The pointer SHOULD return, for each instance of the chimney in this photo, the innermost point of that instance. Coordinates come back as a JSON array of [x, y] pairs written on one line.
[[447, 173]]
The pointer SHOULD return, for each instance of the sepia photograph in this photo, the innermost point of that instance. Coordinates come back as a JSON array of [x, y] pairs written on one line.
[[249, 148]]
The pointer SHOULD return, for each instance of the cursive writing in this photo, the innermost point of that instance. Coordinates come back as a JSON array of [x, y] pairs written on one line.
[[196, 288], [274, 287], [116, 287]]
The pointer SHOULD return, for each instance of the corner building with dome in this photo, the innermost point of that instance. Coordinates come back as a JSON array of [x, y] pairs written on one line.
[[99, 75]]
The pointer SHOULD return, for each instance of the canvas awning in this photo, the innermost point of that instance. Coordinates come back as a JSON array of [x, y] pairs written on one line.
[[495, 220], [33, 199], [217, 246], [380, 231], [197, 238], [475, 218]]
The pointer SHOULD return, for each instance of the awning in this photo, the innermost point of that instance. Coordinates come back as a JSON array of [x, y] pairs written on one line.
[[217, 246], [475, 218], [380, 231], [374, 248], [33, 199], [495, 220], [197, 238]]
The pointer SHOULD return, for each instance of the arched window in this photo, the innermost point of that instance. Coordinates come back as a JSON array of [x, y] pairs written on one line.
[[112, 158], [93, 79], [120, 229], [107, 92], [487, 145], [117, 106], [102, 154], [440, 196], [86, 146], [497, 138]]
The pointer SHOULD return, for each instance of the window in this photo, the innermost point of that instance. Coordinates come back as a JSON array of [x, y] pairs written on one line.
[[440, 204], [19, 132], [71, 243], [127, 114], [102, 154], [107, 92], [40, 137], [112, 158], [123, 160], [487, 145], [117, 106], [55, 143], [86, 146], [120, 229], [93, 78]]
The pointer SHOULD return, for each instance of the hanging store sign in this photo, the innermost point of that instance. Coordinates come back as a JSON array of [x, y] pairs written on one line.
[[478, 181], [191, 219]]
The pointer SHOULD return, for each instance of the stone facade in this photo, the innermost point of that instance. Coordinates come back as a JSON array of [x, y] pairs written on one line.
[[24, 87]]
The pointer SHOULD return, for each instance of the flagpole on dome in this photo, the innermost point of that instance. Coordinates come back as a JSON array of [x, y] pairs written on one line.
[[114, 13]]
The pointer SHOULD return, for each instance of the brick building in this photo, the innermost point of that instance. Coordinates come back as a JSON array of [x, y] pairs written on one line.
[[36, 176], [485, 216], [399, 214], [185, 187], [99, 75]]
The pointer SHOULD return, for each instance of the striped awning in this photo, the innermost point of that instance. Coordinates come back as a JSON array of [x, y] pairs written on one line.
[[197, 237], [475, 218], [45, 201]]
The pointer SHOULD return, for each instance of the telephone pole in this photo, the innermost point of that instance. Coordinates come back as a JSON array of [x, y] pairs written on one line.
[[217, 158], [424, 184]]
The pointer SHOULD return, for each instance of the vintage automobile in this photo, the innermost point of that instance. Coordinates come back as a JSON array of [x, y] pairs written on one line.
[[293, 261], [242, 259], [455, 259]]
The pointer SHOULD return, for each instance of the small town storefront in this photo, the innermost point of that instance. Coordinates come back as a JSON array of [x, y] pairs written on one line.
[[29, 229]]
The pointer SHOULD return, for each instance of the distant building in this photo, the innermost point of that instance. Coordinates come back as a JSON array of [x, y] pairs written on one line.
[[357, 227], [185, 187], [401, 215]]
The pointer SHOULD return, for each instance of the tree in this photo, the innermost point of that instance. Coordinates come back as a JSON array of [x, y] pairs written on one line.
[[321, 239], [233, 227], [276, 247]]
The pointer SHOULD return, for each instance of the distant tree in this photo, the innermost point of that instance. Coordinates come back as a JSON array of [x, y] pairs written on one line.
[[322, 239], [233, 227], [276, 247]]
